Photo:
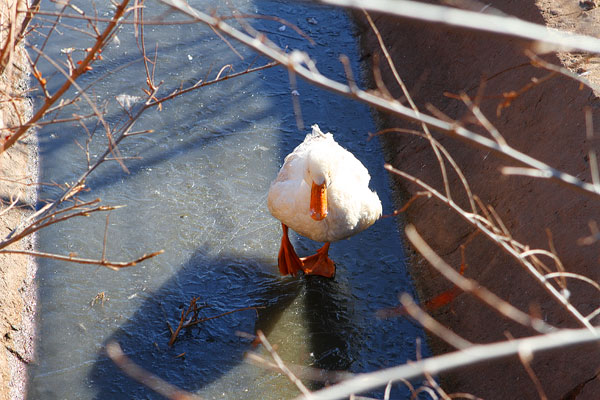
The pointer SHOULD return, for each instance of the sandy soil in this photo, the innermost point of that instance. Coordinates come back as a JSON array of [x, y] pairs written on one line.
[[546, 122], [18, 172]]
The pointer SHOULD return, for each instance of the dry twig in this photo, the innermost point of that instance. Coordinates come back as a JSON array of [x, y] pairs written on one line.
[[144, 377], [281, 365], [190, 317], [432, 325], [546, 39], [471, 356], [509, 245]]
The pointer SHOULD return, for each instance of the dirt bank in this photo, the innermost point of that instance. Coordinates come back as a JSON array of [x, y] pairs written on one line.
[[18, 172], [547, 122]]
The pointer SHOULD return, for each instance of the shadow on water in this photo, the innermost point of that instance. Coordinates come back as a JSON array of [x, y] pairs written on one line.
[[212, 348], [209, 358], [345, 335], [162, 145], [327, 312]]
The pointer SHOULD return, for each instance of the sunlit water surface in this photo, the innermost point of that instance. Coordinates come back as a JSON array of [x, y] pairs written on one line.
[[199, 192]]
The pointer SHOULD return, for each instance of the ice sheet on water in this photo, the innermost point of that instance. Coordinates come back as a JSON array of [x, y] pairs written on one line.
[[127, 101]]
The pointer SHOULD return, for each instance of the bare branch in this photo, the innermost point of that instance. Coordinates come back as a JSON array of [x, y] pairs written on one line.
[[413, 106], [468, 285], [185, 321], [547, 39], [298, 63], [432, 325], [80, 70], [503, 242], [281, 365], [525, 356], [541, 63], [144, 377], [470, 356], [103, 263]]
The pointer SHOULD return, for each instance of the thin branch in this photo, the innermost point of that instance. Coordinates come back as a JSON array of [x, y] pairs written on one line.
[[541, 63], [53, 219], [432, 325], [144, 377], [105, 239], [413, 106], [548, 39], [593, 314], [201, 84], [186, 322], [470, 286], [503, 243], [103, 263], [471, 356], [32, 9], [159, 22], [111, 144], [406, 205], [572, 275], [483, 120], [80, 70], [526, 356], [281, 365], [13, 203], [298, 63], [589, 135], [446, 154]]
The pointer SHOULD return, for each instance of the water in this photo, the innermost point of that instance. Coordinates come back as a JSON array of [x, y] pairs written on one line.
[[199, 192]]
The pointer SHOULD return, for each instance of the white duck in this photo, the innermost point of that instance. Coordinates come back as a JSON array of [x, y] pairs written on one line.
[[322, 192]]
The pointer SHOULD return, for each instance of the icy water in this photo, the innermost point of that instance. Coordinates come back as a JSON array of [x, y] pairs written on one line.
[[198, 191]]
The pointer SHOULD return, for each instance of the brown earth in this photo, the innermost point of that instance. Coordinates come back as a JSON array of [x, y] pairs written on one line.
[[18, 172], [546, 122]]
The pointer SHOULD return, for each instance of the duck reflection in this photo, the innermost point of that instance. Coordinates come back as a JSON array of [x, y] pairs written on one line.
[[330, 323]]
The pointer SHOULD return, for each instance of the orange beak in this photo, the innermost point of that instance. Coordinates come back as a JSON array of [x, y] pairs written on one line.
[[318, 202]]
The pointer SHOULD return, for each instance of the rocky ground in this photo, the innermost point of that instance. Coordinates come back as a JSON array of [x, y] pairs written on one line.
[[547, 122]]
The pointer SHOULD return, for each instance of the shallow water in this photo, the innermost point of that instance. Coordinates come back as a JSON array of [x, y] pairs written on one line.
[[199, 192]]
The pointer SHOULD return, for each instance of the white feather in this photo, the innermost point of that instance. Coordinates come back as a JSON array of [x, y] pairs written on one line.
[[351, 205]]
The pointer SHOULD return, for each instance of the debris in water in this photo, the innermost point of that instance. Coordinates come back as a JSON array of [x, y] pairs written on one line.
[[126, 100], [100, 298]]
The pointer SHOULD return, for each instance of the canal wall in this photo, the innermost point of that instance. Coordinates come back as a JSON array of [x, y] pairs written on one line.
[[18, 174], [545, 120]]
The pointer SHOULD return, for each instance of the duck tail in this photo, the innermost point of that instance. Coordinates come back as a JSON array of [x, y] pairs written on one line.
[[316, 130]]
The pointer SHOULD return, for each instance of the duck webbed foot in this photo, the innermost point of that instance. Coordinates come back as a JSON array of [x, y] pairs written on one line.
[[288, 260], [319, 264]]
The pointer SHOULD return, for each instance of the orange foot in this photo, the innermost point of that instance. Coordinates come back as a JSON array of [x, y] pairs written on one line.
[[288, 260], [319, 264]]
